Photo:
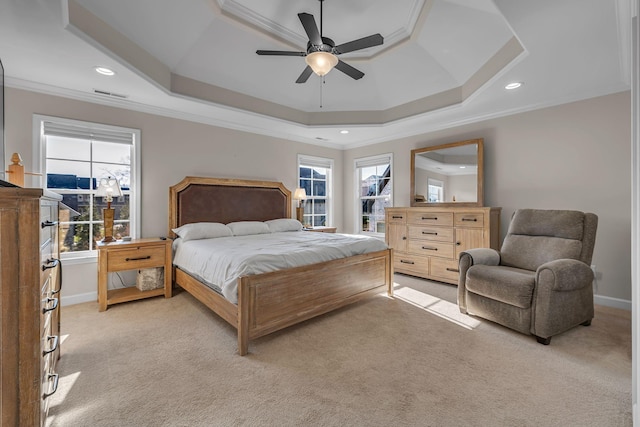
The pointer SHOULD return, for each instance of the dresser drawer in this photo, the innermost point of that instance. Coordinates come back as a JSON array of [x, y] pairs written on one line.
[[431, 218], [48, 222], [445, 269], [469, 220], [427, 248], [397, 217], [403, 262], [136, 258], [440, 234]]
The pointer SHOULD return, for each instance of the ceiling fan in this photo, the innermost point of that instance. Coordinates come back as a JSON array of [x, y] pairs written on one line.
[[322, 53]]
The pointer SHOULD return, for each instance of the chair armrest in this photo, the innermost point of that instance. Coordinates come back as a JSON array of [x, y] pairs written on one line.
[[562, 298], [564, 275], [484, 256]]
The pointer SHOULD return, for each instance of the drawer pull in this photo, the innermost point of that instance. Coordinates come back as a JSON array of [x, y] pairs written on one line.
[[470, 219], [432, 233], [397, 217], [455, 270], [407, 262], [427, 248], [55, 385], [138, 259], [433, 218], [53, 347], [48, 223], [53, 306], [51, 263]]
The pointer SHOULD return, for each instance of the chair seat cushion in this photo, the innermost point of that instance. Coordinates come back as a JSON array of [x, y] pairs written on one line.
[[509, 285]]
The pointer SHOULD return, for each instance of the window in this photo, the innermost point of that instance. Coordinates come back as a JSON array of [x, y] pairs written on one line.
[[314, 175], [75, 156], [374, 181], [436, 190]]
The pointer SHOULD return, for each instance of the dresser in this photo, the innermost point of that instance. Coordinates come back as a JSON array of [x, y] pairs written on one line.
[[427, 241], [30, 283]]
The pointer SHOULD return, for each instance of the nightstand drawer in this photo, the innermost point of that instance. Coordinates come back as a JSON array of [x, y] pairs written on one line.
[[134, 258]]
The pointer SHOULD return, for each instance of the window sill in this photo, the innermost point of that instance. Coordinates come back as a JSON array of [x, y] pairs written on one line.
[[79, 259]]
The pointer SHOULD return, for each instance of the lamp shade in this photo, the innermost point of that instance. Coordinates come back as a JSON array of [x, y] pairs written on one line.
[[109, 188], [321, 62], [299, 194]]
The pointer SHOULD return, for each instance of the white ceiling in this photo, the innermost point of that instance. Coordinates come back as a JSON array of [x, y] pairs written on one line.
[[443, 62]]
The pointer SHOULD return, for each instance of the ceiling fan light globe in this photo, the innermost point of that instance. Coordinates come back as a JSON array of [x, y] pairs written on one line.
[[321, 62]]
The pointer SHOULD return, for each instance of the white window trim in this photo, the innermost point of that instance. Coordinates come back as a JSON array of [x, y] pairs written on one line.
[[363, 162], [38, 150], [322, 162]]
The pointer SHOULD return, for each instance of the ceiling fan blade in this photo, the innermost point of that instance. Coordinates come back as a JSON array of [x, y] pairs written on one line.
[[309, 24], [280, 53], [363, 43], [305, 75], [349, 70]]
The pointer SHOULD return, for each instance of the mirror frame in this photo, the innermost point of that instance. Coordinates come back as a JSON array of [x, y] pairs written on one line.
[[479, 178]]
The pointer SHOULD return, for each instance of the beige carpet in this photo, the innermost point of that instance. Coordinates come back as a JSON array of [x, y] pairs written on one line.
[[409, 361]]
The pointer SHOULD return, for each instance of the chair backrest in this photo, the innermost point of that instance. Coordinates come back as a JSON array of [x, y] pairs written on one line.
[[537, 236]]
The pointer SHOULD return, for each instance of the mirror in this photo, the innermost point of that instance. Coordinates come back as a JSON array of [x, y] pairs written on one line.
[[447, 175]]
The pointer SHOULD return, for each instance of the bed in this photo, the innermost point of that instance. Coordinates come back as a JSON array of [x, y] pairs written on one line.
[[271, 301]]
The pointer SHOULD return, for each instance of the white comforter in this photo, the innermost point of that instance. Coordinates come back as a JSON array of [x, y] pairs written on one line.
[[221, 261]]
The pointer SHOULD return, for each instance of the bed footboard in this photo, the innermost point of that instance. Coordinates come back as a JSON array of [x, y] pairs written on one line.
[[272, 301]]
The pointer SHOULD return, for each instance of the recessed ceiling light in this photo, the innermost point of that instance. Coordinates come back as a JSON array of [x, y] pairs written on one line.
[[514, 85], [344, 131], [105, 71]]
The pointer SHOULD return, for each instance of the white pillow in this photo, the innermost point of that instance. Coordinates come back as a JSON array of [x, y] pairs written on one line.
[[202, 230], [243, 228], [284, 224]]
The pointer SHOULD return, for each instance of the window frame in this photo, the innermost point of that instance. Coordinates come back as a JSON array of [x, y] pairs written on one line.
[[322, 162], [39, 165], [358, 164]]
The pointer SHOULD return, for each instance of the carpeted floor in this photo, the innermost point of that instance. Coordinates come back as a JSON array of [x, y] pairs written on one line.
[[409, 361]]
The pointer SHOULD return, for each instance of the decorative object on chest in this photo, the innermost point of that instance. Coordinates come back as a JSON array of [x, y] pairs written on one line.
[[427, 242]]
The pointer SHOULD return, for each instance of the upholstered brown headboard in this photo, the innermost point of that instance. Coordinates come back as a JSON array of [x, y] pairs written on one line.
[[199, 199]]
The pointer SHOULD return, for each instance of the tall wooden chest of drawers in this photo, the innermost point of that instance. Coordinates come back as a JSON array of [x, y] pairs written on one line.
[[29, 304], [427, 241]]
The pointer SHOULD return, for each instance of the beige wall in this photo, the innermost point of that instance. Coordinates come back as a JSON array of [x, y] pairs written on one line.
[[573, 156], [170, 150]]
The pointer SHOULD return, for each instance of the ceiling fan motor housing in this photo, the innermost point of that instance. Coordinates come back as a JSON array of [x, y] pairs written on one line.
[[326, 46]]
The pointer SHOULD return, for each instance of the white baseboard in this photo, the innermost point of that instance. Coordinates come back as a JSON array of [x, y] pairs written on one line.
[[612, 302], [79, 298]]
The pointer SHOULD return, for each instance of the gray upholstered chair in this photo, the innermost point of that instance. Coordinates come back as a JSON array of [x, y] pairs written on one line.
[[540, 282]]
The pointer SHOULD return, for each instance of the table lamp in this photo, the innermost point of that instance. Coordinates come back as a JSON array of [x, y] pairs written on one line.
[[108, 188], [300, 195]]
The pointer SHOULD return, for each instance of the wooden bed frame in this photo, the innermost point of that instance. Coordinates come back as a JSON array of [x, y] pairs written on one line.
[[271, 301]]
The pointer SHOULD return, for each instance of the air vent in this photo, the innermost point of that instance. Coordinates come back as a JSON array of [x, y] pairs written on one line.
[[106, 93], [319, 138]]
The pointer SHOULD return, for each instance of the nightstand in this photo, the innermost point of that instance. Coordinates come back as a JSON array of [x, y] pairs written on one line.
[[321, 229], [135, 254]]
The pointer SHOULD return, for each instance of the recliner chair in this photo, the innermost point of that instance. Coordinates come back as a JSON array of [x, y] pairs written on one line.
[[540, 282]]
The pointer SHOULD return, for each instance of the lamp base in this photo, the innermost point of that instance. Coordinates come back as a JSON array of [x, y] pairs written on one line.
[[299, 213], [107, 214]]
